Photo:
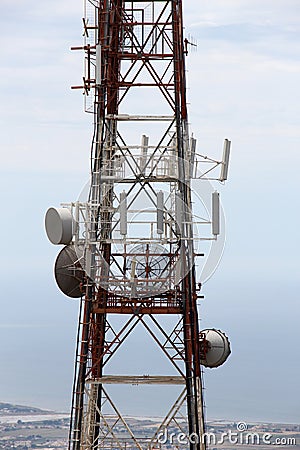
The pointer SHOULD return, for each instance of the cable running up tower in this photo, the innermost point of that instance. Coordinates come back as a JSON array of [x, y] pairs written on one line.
[[130, 246]]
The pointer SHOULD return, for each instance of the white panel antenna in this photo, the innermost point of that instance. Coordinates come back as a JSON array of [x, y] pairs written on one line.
[[145, 143], [160, 212], [178, 213], [215, 213], [225, 160], [193, 144], [123, 213], [98, 64]]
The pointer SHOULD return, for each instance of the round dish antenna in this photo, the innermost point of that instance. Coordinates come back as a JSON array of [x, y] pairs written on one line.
[[68, 272], [215, 348], [58, 224], [149, 269]]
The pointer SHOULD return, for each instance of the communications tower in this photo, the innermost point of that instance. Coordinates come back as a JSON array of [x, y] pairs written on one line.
[[131, 243]]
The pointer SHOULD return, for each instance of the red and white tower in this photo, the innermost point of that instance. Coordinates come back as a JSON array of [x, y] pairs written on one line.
[[131, 242]]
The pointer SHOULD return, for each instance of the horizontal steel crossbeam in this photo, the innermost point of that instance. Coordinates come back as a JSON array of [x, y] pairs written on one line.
[[138, 379]]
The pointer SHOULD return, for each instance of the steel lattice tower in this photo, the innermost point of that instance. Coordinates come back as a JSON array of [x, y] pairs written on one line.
[[131, 247]]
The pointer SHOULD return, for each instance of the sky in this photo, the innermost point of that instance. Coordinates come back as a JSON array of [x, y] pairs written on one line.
[[243, 84]]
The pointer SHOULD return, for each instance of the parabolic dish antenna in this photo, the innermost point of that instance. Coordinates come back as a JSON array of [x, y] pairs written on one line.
[[149, 269], [68, 272]]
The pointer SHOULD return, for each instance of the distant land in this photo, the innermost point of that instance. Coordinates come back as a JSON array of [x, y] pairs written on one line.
[[11, 409], [27, 427]]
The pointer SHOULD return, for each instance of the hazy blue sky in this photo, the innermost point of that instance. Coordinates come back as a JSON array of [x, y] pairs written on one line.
[[243, 84]]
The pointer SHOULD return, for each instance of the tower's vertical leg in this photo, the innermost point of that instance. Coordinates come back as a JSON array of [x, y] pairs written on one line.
[[79, 385], [190, 312]]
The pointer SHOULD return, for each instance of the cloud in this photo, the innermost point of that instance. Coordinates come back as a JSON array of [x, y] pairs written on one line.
[[39, 114], [268, 27], [242, 32], [274, 12], [24, 325]]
